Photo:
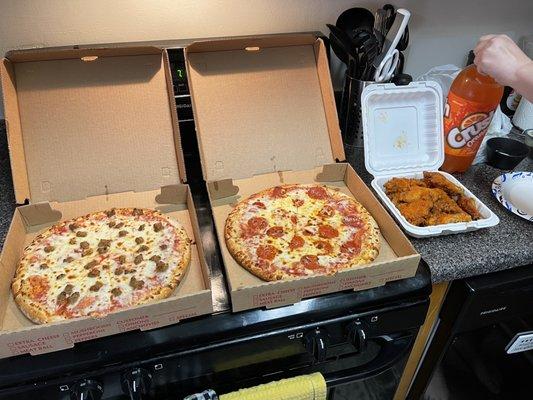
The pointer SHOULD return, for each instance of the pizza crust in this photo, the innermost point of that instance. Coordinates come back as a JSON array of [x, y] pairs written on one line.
[[241, 257], [32, 310], [241, 251]]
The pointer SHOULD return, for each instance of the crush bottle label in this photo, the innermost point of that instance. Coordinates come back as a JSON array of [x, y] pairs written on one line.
[[465, 124]]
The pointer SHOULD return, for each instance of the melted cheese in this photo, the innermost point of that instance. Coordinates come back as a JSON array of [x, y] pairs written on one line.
[[66, 263], [278, 212]]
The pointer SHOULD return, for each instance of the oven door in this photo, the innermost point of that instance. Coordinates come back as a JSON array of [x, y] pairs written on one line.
[[378, 377], [371, 372], [363, 353], [368, 372]]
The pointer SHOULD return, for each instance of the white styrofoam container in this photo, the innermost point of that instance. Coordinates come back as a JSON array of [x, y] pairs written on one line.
[[403, 136]]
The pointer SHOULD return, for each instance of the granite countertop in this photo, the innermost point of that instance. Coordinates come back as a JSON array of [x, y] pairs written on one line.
[[7, 197], [507, 245]]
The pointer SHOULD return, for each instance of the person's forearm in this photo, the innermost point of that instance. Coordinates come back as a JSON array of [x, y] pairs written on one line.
[[524, 81]]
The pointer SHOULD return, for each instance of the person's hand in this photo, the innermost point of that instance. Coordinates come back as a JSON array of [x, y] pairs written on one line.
[[499, 57]]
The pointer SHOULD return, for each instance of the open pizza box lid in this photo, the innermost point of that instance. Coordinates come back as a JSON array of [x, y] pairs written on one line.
[[90, 122], [263, 105], [265, 114], [403, 134], [90, 130]]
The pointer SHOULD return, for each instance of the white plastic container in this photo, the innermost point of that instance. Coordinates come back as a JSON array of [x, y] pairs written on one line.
[[402, 129]]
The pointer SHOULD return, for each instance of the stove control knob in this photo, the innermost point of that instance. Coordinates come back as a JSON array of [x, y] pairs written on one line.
[[136, 383], [87, 389], [356, 335], [316, 343]]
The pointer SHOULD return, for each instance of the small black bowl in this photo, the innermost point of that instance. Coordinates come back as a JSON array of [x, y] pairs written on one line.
[[505, 153]]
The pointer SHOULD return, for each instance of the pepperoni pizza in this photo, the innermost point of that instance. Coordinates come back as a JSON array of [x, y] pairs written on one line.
[[300, 230]]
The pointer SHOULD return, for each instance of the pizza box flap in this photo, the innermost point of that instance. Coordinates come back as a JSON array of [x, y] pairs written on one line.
[[263, 105], [88, 122]]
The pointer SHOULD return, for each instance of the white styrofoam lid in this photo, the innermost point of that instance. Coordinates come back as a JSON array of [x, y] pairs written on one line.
[[402, 127]]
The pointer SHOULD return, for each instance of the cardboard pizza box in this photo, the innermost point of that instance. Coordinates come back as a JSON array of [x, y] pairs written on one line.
[[89, 130], [265, 115]]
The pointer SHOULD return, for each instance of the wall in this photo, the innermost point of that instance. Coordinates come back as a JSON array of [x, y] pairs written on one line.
[[442, 31]]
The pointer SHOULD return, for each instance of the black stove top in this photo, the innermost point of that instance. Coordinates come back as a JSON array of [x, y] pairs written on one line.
[[348, 336], [398, 306]]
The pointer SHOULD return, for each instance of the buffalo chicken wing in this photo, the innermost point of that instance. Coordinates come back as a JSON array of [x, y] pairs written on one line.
[[431, 201]]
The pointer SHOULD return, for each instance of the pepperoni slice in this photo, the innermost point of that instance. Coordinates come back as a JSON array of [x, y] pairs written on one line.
[[294, 219], [345, 207], [326, 247], [278, 192], [327, 231], [267, 252], [259, 204], [296, 242], [352, 246], [317, 193], [310, 262], [257, 223], [326, 211], [275, 232], [352, 220], [297, 202]]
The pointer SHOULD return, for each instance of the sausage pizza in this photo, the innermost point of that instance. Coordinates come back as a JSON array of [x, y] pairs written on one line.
[[99, 263]]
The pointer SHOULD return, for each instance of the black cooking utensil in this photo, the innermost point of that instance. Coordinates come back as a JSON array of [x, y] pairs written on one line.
[[358, 41], [366, 47], [391, 12], [379, 25], [404, 40], [380, 17], [358, 25], [343, 48], [389, 20], [370, 48], [338, 47], [355, 18]]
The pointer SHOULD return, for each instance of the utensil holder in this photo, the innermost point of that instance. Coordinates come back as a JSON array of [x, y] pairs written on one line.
[[350, 113]]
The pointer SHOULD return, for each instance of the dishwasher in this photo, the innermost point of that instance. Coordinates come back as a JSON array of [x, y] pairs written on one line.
[[482, 347]]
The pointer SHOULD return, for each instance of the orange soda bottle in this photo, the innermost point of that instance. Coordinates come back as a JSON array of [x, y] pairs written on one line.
[[471, 103]]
